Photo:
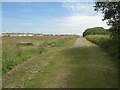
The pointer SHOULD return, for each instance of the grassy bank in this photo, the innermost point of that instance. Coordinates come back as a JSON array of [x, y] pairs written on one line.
[[16, 50], [106, 42]]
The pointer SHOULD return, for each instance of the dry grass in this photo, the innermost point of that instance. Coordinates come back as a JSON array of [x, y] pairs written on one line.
[[14, 54], [66, 67]]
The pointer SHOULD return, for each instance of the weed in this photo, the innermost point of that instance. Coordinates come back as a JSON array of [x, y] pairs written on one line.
[[16, 50]]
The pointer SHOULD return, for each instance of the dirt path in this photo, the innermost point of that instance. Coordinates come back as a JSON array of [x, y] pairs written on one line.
[[81, 42], [76, 67]]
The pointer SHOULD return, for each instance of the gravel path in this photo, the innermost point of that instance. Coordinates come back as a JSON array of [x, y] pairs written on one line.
[[80, 42]]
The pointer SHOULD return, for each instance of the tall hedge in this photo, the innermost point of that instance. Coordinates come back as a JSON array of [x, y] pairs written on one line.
[[96, 31]]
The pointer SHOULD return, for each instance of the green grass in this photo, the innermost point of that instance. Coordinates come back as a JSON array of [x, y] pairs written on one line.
[[106, 42], [91, 68], [14, 54], [66, 67]]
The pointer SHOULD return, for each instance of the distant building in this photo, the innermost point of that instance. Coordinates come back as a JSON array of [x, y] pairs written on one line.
[[56, 35], [38, 34], [34, 34], [5, 34], [48, 35], [17, 34]]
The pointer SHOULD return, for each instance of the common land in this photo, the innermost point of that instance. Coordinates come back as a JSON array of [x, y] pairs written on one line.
[[56, 62]]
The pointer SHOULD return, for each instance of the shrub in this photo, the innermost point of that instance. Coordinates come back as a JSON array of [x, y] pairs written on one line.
[[41, 49], [104, 41], [96, 31], [51, 43], [24, 44]]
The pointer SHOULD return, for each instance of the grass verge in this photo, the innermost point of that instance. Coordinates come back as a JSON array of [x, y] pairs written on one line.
[[82, 67]]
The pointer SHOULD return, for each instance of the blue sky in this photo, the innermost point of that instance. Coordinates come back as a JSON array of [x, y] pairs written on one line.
[[0, 17], [47, 0], [50, 17]]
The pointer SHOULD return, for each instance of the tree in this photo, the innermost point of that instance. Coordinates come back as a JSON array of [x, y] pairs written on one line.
[[96, 31], [111, 11]]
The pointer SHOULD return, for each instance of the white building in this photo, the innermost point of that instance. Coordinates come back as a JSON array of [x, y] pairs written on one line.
[[17, 34]]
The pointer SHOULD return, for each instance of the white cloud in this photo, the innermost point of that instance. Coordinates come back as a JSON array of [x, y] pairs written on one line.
[[85, 8], [78, 23], [76, 20], [75, 24], [83, 16]]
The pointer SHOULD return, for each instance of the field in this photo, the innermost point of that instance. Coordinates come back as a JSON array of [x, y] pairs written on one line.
[[54, 62], [15, 50]]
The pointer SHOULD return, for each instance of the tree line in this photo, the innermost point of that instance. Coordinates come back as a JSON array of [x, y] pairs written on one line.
[[111, 12], [96, 31]]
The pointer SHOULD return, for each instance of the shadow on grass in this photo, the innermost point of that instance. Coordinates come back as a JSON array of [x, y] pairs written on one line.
[[90, 67]]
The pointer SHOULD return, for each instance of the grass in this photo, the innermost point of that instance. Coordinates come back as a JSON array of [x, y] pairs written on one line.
[[14, 54], [106, 42], [91, 67], [83, 67]]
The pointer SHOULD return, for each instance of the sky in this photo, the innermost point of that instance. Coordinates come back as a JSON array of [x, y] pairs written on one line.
[[50, 17], [0, 18]]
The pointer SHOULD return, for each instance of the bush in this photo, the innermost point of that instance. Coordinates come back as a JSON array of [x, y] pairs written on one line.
[[24, 44], [104, 41], [51, 43], [96, 31], [41, 49]]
